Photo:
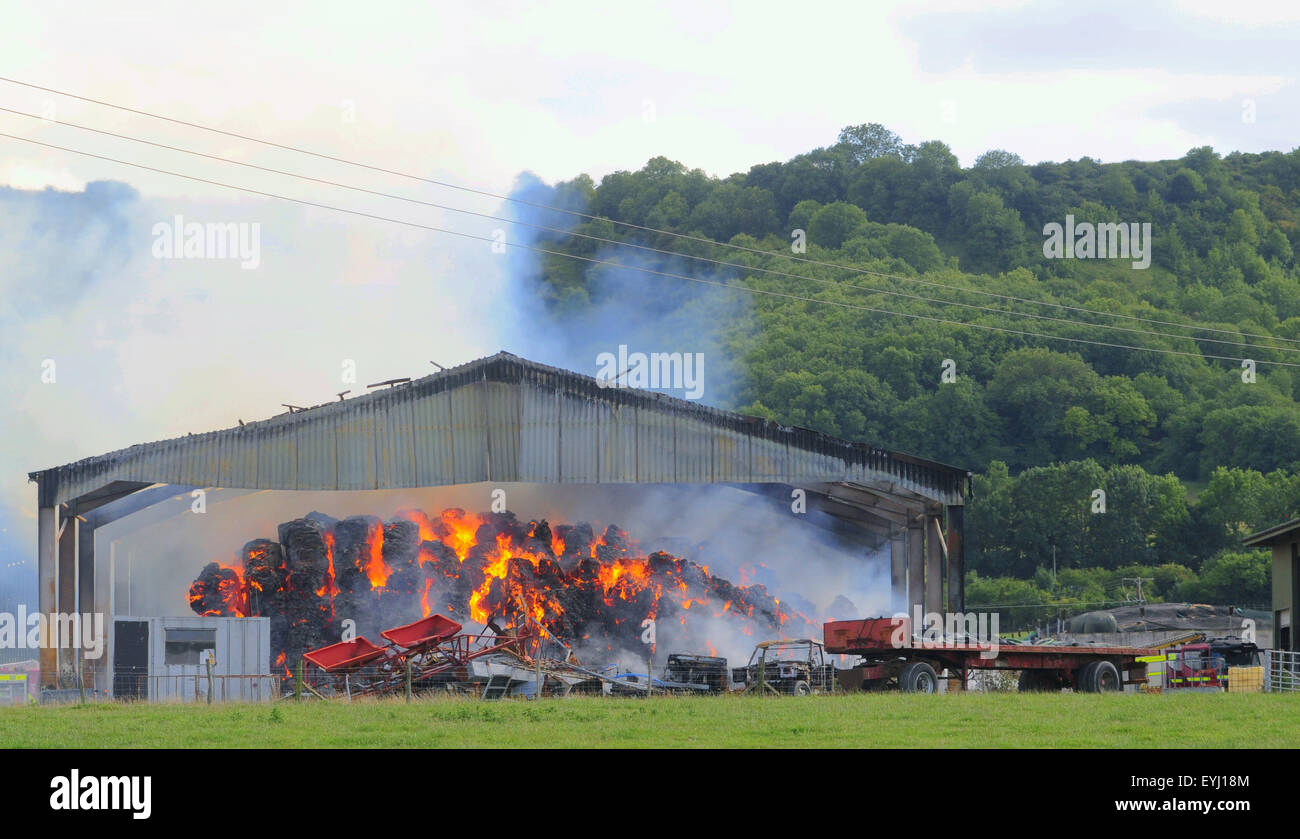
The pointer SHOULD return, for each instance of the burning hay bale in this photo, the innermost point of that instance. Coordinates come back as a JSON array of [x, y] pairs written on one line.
[[399, 599], [216, 591], [589, 592], [358, 545]]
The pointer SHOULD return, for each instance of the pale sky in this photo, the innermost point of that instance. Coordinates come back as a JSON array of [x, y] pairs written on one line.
[[476, 94], [483, 91]]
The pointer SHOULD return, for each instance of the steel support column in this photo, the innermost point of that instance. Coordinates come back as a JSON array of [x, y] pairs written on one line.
[[47, 570], [916, 568], [898, 570], [933, 566], [68, 527], [956, 560]]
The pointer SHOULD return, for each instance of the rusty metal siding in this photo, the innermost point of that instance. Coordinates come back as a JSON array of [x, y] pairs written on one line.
[[503, 419]]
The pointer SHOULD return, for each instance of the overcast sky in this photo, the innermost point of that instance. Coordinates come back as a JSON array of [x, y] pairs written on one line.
[[486, 90], [476, 94]]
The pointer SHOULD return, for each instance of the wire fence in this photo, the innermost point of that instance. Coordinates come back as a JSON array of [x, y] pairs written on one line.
[[191, 687]]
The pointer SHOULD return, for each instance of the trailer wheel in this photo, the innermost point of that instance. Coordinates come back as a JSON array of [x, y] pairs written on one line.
[[918, 677], [802, 689], [1083, 678], [1103, 677]]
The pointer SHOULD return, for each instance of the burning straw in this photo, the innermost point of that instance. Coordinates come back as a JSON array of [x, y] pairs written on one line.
[[590, 592]]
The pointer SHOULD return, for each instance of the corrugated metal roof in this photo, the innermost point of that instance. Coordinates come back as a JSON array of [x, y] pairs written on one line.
[[503, 418]]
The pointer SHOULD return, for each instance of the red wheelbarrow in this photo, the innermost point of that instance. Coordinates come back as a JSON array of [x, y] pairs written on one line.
[[345, 655], [426, 632]]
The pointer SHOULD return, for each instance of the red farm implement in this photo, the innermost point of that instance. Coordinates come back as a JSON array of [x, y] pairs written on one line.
[[426, 654], [892, 655]]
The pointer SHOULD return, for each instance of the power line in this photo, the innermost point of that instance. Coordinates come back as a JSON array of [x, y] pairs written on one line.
[[660, 251], [613, 264], [644, 228]]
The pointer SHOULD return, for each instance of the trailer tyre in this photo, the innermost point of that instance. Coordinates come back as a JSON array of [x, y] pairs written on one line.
[[918, 677], [1104, 677], [1085, 680]]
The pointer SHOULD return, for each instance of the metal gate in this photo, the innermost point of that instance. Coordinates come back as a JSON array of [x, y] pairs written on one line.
[[1281, 670]]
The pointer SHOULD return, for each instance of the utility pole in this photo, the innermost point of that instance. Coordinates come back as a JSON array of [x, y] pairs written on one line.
[[1142, 604]]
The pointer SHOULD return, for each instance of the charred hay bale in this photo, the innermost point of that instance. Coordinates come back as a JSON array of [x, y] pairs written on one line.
[[577, 540], [408, 580], [616, 537], [401, 544], [306, 556], [308, 618], [506, 523], [264, 575], [353, 538], [541, 532], [661, 562], [362, 607], [439, 560], [215, 591], [325, 520]]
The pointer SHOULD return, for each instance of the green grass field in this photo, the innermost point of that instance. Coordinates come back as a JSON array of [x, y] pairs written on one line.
[[861, 720]]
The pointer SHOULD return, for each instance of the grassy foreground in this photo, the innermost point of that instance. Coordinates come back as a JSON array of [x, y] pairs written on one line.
[[861, 720]]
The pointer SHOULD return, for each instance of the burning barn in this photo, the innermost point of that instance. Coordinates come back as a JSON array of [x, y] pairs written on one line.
[[500, 492]]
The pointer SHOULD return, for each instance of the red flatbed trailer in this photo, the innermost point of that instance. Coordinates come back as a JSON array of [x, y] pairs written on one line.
[[914, 663]]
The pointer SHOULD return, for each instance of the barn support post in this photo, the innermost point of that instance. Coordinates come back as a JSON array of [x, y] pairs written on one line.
[[86, 605], [67, 656], [898, 569], [47, 567], [917, 597], [956, 559], [934, 550]]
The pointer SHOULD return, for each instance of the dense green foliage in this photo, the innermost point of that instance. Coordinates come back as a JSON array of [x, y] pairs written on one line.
[[896, 227]]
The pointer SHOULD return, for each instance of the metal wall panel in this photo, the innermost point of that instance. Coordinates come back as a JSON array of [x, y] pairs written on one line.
[[277, 458], [469, 437], [577, 438], [693, 450], [618, 450], [502, 419], [656, 448], [432, 439], [317, 464], [732, 461], [395, 445], [354, 435], [242, 649], [540, 440]]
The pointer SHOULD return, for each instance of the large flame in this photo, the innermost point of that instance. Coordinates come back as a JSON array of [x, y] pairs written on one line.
[[570, 584]]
